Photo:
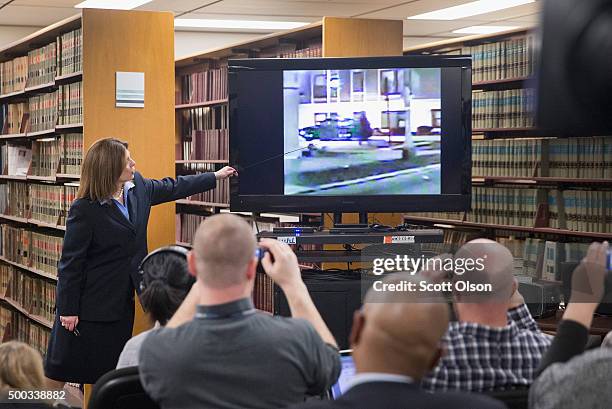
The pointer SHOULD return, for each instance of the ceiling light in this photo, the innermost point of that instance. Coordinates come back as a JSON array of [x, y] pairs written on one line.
[[483, 29], [241, 24], [470, 9], [111, 4]]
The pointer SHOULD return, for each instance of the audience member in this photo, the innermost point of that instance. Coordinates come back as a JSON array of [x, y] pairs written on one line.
[[570, 377], [21, 369], [396, 341], [165, 283], [496, 343], [217, 351]]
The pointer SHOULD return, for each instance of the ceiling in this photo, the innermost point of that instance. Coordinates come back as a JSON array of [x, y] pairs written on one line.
[[44, 12]]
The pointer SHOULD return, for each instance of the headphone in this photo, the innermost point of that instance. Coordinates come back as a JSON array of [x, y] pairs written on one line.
[[178, 250]]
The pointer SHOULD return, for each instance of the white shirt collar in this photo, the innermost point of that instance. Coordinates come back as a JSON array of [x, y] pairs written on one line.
[[367, 377]]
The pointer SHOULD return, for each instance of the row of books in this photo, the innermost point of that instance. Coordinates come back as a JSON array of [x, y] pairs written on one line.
[[503, 109], [208, 144], [43, 158], [41, 202], [581, 210], [581, 157], [42, 65], [512, 58], [14, 197], [507, 157], [540, 259], [209, 85], [34, 294], [5, 321], [70, 104], [186, 226], [218, 195], [508, 206], [198, 119], [571, 157], [71, 156], [13, 75], [314, 51], [31, 249], [576, 210], [13, 118], [61, 155], [23, 329], [43, 113], [263, 293], [71, 52]]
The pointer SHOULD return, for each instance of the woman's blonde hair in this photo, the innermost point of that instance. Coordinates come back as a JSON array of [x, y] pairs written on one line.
[[21, 367], [102, 167]]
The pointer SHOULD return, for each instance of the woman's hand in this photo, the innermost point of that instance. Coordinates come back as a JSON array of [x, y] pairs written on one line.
[[69, 322], [225, 172]]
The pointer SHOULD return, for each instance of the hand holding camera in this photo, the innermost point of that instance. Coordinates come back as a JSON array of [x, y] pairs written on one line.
[[588, 280], [280, 263]]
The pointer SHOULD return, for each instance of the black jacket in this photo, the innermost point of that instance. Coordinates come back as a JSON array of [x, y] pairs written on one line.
[[394, 395], [97, 272]]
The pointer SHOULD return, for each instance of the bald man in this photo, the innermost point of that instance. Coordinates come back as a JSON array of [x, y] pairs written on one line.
[[495, 343], [396, 341], [217, 351]]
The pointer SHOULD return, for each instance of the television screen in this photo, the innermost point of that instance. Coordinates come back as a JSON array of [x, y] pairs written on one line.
[[351, 134]]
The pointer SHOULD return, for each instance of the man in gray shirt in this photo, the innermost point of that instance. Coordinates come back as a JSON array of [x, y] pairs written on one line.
[[217, 351]]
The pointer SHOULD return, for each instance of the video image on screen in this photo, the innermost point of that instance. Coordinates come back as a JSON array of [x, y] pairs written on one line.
[[362, 131]]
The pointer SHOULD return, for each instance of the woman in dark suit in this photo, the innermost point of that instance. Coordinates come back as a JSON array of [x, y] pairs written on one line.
[[105, 240]]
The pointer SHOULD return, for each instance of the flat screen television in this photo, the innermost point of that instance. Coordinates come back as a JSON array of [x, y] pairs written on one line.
[[372, 134]]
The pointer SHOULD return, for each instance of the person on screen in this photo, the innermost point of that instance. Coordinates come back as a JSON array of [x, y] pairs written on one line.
[[218, 351], [396, 340], [166, 281], [105, 241], [365, 130]]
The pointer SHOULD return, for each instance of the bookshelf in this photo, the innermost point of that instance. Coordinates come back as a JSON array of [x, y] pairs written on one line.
[[57, 101], [543, 197], [201, 93]]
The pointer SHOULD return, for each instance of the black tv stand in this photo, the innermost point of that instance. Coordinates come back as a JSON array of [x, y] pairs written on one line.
[[361, 227]]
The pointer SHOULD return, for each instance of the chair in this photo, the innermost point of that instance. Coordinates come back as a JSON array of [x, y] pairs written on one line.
[[514, 398], [120, 389]]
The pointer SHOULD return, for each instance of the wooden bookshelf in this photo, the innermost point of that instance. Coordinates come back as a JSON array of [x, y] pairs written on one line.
[[202, 204], [63, 127], [505, 83], [202, 161], [42, 321], [75, 76], [552, 177], [30, 269], [541, 180], [201, 104], [111, 41], [517, 129], [13, 136], [441, 222], [32, 222]]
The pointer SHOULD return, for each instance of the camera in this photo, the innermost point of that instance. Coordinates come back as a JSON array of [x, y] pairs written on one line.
[[260, 253]]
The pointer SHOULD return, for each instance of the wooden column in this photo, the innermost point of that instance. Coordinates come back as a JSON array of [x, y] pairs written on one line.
[[133, 41]]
